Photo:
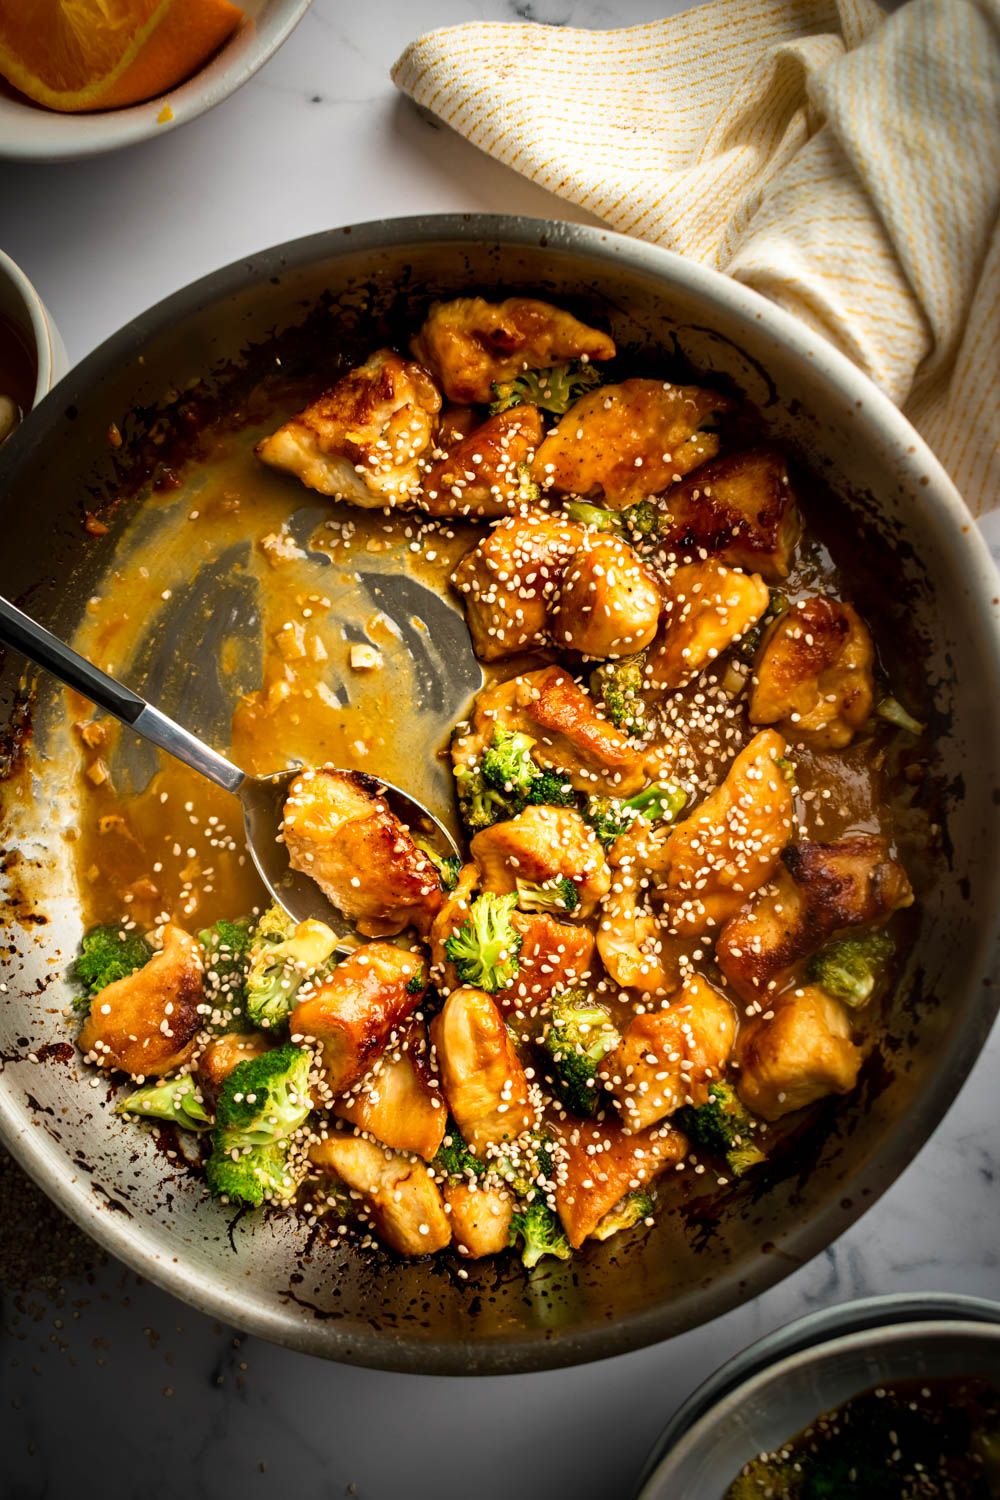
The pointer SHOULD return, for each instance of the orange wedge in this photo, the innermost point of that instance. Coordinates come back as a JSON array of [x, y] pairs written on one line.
[[77, 55]]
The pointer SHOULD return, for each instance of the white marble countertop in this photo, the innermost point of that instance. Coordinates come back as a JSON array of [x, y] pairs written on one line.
[[115, 1378]]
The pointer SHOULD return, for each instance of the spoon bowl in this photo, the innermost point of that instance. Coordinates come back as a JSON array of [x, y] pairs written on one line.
[[263, 801], [261, 797]]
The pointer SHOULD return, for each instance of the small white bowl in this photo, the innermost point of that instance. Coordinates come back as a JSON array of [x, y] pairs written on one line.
[[30, 133], [21, 306]]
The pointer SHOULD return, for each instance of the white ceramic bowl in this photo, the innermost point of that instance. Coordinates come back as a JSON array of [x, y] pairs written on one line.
[[30, 133], [21, 305]]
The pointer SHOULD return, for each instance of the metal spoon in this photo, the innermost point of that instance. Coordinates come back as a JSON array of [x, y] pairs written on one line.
[[262, 797]]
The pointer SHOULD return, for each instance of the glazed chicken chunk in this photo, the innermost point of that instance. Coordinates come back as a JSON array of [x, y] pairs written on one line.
[[485, 472], [354, 1011], [510, 582], [543, 845], [572, 737], [480, 1218], [608, 603], [813, 674], [669, 1057], [740, 508], [635, 949], [797, 1054], [820, 891], [603, 1163], [554, 956], [365, 440], [401, 1196], [399, 1102], [624, 442], [706, 607], [469, 344], [707, 866], [481, 1074], [341, 832], [147, 1023]]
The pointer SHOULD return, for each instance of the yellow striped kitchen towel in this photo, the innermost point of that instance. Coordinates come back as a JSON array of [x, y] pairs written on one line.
[[844, 163]]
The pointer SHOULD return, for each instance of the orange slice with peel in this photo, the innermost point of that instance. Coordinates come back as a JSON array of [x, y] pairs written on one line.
[[76, 55]]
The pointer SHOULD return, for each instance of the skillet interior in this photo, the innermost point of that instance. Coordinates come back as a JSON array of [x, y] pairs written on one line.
[[921, 580]]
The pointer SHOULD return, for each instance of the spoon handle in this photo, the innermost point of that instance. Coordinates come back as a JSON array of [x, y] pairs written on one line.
[[46, 650]]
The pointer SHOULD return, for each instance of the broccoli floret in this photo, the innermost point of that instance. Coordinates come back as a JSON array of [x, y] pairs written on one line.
[[485, 948], [261, 1103], [551, 789], [250, 1175], [227, 948], [749, 642], [455, 1158], [506, 781], [578, 1037], [528, 489], [618, 686], [553, 390], [660, 802], [526, 1164], [279, 965], [559, 894], [480, 804], [643, 519], [264, 1099], [107, 954], [594, 516], [507, 765], [640, 522], [447, 865], [721, 1127], [850, 968], [627, 1212], [539, 1233], [174, 1099], [892, 711]]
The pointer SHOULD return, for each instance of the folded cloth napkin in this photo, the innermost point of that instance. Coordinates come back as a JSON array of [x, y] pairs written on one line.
[[844, 164]]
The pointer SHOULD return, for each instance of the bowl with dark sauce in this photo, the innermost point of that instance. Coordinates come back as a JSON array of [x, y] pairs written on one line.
[[891, 1398], [32, 355]]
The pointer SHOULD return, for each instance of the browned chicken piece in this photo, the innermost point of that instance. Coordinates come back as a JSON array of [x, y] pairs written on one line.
[[609, 601], [813, 674], [602, 1164], [554, 956], [706, 607], [469, 343], [543, 844], [820, 891], [802, 1053], [572, 737], [341, 832], [147, 1023], [480, 1218], [400, 1194], [669, 1057], [223, 1054], [365, 440], [740, 508], [510, 581], [485, 473], [636, 951], [355, 1010], [399, 1102], [481, 1073], [624, 442], [707, 866]]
